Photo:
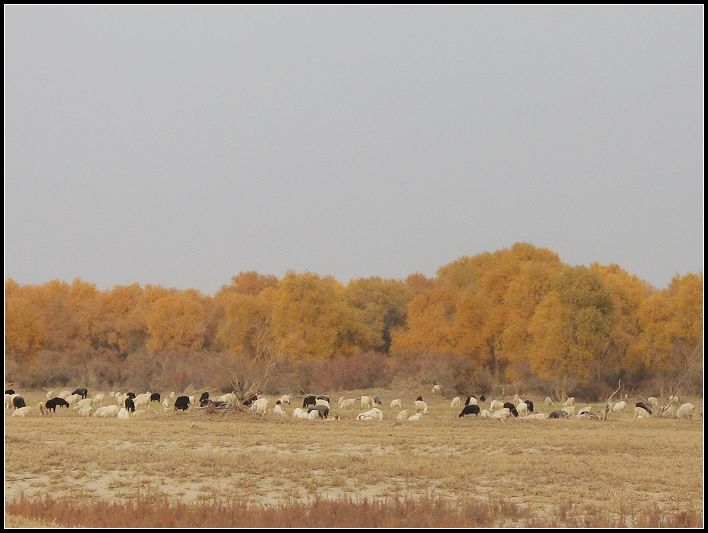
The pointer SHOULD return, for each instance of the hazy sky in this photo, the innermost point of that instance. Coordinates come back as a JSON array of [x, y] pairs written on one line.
[[180, 145]]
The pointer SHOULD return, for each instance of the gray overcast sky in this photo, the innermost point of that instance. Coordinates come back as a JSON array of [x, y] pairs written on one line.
[[180, 145]]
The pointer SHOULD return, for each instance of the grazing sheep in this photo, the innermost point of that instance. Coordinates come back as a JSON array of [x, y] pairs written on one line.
[[522, 409], [686, 410], [371, 414], [396, 403], [558, 414], [85, 410], [278, 410], [619, 406], [402, 415], [323, 410], [123, 413], [377, 400], [142, 400], [569, 402], [366, 402], [18, 401], [437, 389], [415, 417], [501, 414], [285, 398], [83, 403], [309, 400], [30, 411], [155, 397], [321, 401], [456, 401], [420, 406], [548, 401], [644, 406], [348, 403], [323, 397], [471, 400], [512, 409], [313, 414], [300, 413], [260, 406], [73, 398], [537, 416], [81, 391], [469, 410], [52, 404], [641, 412], [108, 411], [182, 402], [496, 405], [204, 397]]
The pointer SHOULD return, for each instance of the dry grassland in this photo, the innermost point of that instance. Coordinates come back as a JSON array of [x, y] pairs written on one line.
[[197, 456]]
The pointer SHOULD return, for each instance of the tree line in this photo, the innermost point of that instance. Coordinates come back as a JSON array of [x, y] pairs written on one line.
[[518, 314]]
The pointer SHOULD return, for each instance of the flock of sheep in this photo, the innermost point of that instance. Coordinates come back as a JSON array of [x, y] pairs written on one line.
[[127, 405]]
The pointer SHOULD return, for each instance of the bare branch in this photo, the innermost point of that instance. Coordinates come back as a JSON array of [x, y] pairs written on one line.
[[609, 400]]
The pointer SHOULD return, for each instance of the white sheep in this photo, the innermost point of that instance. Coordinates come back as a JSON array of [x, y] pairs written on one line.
[[437, 389], [142, 400], [98, 398], [347, 403], [484, 413], [322, 401], [654, 402], [63, 394], [314, 414], [73, 398], [277, 410], [107, 411], [299, 412], [285, 398], [420, 406], [496, 405], [8, 400], [472, 400], [83, 403], [686, 410], [619, 406], [372, 414], [640, 412], [260, 406], [402, 415], [366, 402], [415, 417], [30, 411], [501, 414], [522, 408], [548, 401], [396, 403], [85, 410], [455, 402], [123, 414], [229, 398], [537, 416]]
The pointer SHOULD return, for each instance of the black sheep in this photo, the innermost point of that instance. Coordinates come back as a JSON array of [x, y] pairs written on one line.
[[558, 414], [131, 395], [470, 410], [419, 399], [52, 404], [182, 402], [155, 397], [81, 391], [377, 400], [10, 391], [18, 401], [529, 404], [512, 408], [130, 405], [309, 400], [204, 399]]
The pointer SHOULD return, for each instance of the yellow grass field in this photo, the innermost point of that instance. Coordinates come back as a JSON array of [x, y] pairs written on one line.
[[198, 455]]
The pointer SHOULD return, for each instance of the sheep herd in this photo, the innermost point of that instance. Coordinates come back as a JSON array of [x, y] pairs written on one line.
[[128, 405]]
